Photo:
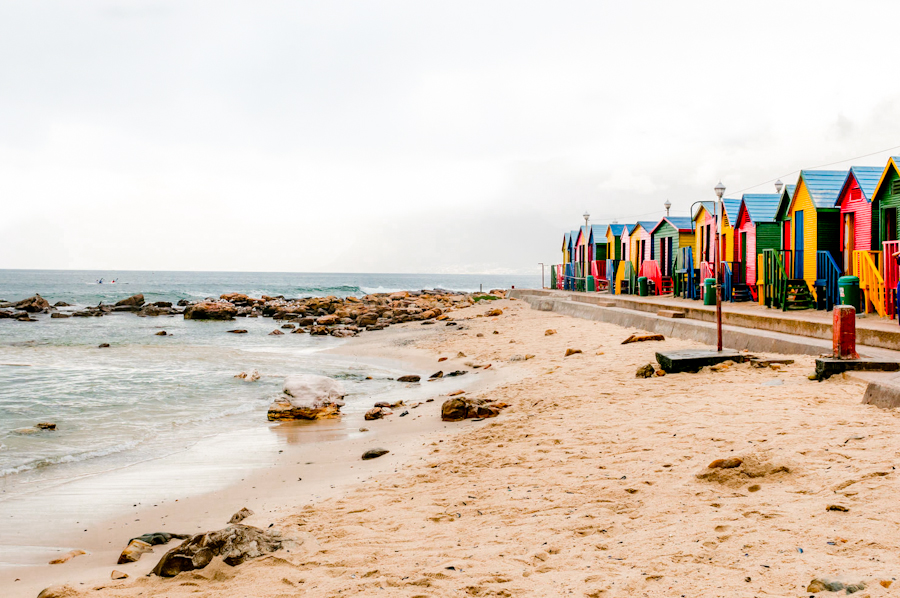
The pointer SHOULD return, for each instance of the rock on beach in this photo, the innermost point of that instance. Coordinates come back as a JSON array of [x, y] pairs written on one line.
[[308, 396], [210, 310], [234, 543]]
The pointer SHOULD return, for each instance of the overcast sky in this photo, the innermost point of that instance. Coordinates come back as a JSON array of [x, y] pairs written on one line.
[[395, 136]]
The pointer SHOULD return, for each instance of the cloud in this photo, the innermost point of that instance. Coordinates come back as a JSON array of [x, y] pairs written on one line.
[[407, 136]]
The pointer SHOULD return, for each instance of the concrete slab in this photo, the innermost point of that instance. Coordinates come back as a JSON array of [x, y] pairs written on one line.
[[828, 367], [670, 313], [884, 393], [691, 360]]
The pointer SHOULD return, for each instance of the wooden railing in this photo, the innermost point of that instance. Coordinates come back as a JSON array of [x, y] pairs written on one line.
[[625, 277], [774, 277], [685, 283], [871, 283], [891, 272], [650, 269], [727, 282], [612, 267], [827, 274]]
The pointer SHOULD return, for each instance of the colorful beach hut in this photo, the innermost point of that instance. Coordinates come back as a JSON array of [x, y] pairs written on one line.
[[614, 241], [783, 216], [669, 235], [815, 220], [859, 229], [598, 242], [641, 245], [886, 200], [755, 232], [885, 204], [730, 208]]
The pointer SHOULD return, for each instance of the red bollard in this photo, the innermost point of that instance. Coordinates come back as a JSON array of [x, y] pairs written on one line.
[[844, 329]]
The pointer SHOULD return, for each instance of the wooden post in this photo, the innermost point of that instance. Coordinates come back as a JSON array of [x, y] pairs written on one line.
[[844, 332]]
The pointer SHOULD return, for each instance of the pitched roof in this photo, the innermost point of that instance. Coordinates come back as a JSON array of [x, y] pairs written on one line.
[[599, 230], [647, 225], [867, 177], [761, 207], [617, 229], [709, 206], [629, 228], [682, 224], [823, 186], [784, 201], [893, 161], [732, 206]]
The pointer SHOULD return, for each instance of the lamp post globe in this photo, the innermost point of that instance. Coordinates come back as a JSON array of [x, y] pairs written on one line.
[[720, 190], [778, 186], [667, 205]]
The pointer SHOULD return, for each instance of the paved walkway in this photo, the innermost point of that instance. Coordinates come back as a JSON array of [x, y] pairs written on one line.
[[863, 321]]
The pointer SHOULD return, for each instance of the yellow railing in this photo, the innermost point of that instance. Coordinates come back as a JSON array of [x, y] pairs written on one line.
[[620, 276], [871, 283]]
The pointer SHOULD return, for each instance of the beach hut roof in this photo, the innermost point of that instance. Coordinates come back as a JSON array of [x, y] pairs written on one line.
[[732, 207], [784, 201], [824, 186], [617, 229], [868, 178], [761, 207], [682, 224], [893, 161], [709, 206], [598, 233], [648, 225]]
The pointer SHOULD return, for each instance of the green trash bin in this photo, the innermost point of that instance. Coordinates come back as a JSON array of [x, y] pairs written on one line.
[[709, 291], [848, 291], [643, 286]]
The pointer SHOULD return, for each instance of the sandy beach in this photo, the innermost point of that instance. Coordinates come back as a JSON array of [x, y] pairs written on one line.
[[591, 483]]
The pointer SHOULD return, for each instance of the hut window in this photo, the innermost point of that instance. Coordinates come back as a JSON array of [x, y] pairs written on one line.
[[895, 187], [857, 194]]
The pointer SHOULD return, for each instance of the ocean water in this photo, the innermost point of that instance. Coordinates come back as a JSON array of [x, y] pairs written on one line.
[[147, 396]]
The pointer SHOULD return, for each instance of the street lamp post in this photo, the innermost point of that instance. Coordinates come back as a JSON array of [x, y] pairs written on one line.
[[667, 205], [720, 191], [585, 248]]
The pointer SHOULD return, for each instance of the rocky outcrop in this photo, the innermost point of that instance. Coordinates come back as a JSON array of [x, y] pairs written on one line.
[[35, 304], [210, 310], [460, 408], [308, 396], [133, 301], [234, 543]]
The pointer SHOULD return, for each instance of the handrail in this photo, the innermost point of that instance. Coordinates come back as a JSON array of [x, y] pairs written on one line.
[[774, 278], [828, 271], [871, 283], [612, 267], [685, 285], [727, 286], [891, 271]]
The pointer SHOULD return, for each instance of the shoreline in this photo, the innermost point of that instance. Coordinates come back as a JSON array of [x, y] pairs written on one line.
[[325, 454]]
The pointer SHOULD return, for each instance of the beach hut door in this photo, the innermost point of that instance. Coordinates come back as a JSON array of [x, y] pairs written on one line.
[[744, 256], [849, 236], [798, 244]]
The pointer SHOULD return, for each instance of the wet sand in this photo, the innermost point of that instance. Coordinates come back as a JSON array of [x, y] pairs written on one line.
[[592, 483]]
